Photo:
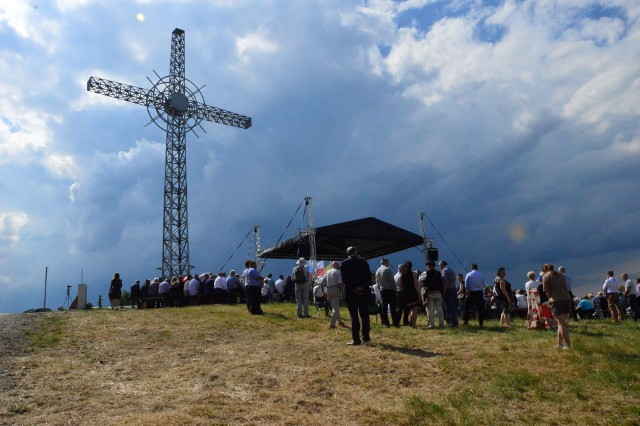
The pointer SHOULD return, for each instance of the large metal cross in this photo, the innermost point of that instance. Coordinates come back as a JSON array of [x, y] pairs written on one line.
[[175, 105]]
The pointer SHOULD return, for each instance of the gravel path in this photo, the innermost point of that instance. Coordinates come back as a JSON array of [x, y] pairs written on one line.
[[12, 343]]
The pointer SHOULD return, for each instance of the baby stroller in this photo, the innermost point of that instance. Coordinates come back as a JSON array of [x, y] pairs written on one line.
[[320, 300], [289, 294], [375, 301]]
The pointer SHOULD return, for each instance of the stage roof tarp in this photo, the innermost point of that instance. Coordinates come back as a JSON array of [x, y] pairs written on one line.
[[371, 236]]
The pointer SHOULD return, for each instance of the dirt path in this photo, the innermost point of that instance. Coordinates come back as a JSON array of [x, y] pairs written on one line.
[[12, 343]]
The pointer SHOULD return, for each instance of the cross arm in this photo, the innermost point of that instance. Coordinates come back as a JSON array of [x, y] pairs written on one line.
[[218, 115], [125, 92]]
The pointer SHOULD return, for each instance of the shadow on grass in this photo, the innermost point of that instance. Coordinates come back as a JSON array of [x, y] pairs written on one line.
[[590, 333], [420, 353], [478, 329], [278, 316]]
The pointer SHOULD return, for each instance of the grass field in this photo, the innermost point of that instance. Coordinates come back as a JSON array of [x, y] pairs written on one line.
[[219, 365]]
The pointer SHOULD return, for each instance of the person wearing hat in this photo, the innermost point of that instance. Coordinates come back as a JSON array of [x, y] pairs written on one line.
[[302, 280], [433, 287]]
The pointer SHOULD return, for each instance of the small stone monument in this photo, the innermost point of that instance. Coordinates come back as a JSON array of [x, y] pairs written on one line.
[[82, 296]]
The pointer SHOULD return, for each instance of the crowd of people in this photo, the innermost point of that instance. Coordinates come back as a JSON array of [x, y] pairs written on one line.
[[444, 296]]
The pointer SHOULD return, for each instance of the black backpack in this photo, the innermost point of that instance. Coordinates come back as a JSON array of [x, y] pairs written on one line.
[[499, 294], [299, 277]]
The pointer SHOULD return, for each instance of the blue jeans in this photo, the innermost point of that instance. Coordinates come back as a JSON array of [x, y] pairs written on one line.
[[302, 299]]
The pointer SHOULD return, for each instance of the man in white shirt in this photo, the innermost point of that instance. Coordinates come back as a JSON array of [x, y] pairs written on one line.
[[194, 285], [332, 281], [264, 292], [163, 288], [630, 294], [279, 285], [221, 290], [610, 287], [521, 299], [154, 287], [221, 281]]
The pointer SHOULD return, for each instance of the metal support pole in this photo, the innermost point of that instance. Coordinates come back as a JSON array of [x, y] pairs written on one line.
[[311, 231], [427, 243], [256, 236], [46, 273]]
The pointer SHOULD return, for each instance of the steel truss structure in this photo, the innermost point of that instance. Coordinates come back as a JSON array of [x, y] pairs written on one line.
[[176, 106]]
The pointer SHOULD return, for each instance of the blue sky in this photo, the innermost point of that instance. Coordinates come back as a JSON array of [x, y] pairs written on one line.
[[514, 125]]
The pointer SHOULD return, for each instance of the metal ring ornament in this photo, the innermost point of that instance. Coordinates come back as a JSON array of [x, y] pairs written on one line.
[[171, 106]]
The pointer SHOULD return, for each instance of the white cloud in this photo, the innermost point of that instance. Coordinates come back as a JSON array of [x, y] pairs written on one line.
[[61, 166], [602, 30], [375, 20], [112, 190], [394, 7], [28, 22], [214, 166], [11, 224], [444, 60], [68, 6], [609, 91], [254, 44], [73, 189], [23, 131], [139, 50]]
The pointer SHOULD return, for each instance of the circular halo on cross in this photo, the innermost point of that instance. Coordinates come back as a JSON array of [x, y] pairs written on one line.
[[171, 106]]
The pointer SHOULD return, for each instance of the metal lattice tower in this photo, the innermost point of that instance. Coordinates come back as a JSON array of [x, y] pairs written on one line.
[[256, 237], [311, 231], [176, 106], [427, 243]]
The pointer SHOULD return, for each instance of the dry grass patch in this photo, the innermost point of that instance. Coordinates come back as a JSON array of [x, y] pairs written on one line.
[[219, 365]]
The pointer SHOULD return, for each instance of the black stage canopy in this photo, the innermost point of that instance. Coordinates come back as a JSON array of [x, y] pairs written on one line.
[[372, 237]]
